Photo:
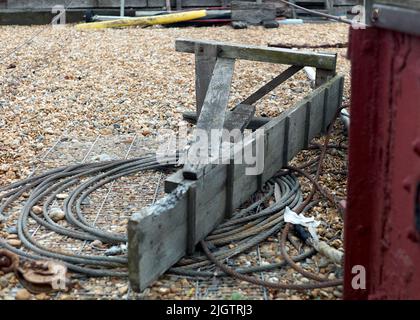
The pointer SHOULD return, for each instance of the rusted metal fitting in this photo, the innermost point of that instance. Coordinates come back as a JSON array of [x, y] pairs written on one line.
[[9, 261]]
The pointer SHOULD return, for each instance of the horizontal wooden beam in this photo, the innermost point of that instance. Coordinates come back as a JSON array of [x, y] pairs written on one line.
[[255, 123], [158, 236], [325, 61]]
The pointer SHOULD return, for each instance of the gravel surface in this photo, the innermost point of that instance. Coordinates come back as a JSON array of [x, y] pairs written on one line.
[[77, 96]]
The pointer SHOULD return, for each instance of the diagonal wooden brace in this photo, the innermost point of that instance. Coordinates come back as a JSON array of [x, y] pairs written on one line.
[[212, 118]]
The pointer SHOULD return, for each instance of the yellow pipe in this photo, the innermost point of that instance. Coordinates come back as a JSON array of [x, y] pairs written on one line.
[[145, 21]]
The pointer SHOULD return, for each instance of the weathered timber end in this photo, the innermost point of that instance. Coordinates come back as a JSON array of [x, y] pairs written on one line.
[[160, 235]]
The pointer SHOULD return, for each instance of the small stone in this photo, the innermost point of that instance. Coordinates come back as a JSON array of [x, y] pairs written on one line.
[[325, 294], [56, 214], [278, 260], [315, 292], [14, 243], [304, 280], [185, 282], [4, 167], [37, 210], [337, 294], [102, 157], [146, 132], [96, 243], [3, 282], [41, 296], [323, 263], [62, 196], [329, 235], [123, 290], [86, 201], [106, 131], [247, 263], [331, 276], [23, 294], [12, 236], [164, 290]]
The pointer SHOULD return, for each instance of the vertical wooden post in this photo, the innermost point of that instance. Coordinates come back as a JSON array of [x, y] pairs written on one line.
[[329, 6], [191, 218], [205, 60], [122, 8], [322, 76], [168, 5]]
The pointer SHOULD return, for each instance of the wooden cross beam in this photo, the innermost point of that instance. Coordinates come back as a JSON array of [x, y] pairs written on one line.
[[270, 86], [326, 61]]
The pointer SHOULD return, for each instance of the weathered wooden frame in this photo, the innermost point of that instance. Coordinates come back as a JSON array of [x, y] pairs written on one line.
[[160, 235]]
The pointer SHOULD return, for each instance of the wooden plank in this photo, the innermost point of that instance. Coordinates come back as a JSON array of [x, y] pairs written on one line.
[[316, 115], [325, 61], [271, 85], [334, 101], [255, 123], [322, 76], [253, 13], [157, 238], [211, 118], [238, 119], [275, 133], [205, 60], [158, 234], [297, 135]]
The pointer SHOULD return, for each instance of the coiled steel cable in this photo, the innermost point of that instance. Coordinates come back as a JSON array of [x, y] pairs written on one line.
[[249, 227]]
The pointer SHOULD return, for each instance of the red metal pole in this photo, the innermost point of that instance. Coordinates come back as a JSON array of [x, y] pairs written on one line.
[[384, 167]]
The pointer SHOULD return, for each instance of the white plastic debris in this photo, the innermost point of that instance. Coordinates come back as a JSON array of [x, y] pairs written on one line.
[[310, 223], [311, 73]]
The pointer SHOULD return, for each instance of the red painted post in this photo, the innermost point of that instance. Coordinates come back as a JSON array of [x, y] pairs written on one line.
[[384, 167]]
